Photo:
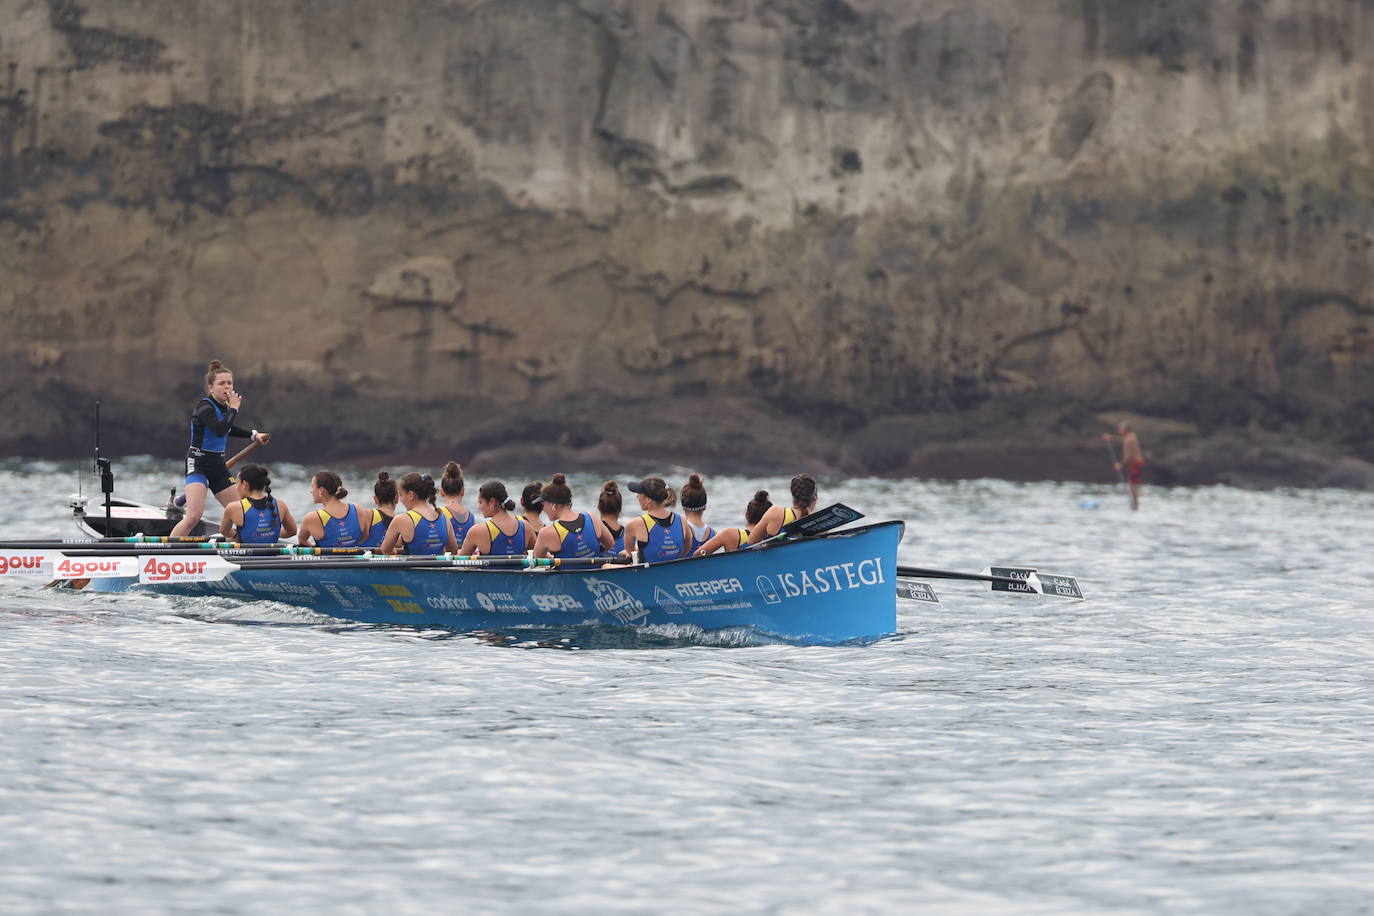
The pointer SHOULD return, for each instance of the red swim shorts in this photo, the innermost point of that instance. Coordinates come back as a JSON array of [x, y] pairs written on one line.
[[1136, 468]]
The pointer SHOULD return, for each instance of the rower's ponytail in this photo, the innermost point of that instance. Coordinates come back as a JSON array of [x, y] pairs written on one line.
[[694, 494], [803, 490], [672, 498], [757, 507], [609, 502], [330, 483], [452, 482]]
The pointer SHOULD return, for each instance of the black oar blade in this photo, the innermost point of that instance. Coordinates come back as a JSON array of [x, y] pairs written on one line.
[[916, 591], [1059, 586], [820, 521], [1034, 582], [1022, 576]]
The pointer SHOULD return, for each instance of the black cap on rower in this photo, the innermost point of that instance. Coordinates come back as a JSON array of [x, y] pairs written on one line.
[[656, 488]]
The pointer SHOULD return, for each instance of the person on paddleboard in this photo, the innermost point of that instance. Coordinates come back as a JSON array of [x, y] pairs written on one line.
[[608, 506], [1132, 459], [453, 489], [569, 534], [728, 539], [803, 504], [212, 423], [336, 523], [502, 535], [384, 495], [258, 517], [692, 496], [424, 529], [658, 533]]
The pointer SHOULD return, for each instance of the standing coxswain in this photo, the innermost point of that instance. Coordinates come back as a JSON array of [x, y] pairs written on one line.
[[212, 423]]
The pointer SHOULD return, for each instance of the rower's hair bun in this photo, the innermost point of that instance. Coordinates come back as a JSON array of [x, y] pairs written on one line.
[[508, 505], [383, 476], [761, 497], [453, 469], [559, 479]]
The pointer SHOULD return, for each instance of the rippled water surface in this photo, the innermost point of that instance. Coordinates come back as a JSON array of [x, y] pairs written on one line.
[[1197, 736]]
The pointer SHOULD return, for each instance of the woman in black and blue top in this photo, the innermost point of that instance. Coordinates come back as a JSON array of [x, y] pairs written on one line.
[[212, 423]]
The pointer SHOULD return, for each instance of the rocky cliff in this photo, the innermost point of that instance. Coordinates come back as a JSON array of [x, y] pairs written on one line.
[[739, 234]]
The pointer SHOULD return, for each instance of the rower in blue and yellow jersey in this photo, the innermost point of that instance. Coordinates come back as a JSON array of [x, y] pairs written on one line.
[[502, 535], [452, 488], [569, 534], [803, 504], [384, 495], [608, 506], [212, 423], [530, 505], [658, 534], [336, 523], [692, 496], [728, 539], [258, 517], [423, 529]]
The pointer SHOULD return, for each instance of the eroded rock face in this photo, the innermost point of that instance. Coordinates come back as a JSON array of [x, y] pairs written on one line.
[[798, 231]]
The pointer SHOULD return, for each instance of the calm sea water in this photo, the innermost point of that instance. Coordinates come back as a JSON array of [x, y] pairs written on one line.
[[1197, 736]]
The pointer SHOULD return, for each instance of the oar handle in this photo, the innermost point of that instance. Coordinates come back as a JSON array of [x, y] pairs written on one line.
[[247, 450]]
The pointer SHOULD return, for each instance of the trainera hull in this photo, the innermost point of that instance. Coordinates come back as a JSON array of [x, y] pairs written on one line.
[[832, 588]]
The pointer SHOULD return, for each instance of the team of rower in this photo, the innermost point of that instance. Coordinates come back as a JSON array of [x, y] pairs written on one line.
[[426, 525]]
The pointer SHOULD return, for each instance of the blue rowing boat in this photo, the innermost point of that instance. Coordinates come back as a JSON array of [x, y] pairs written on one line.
[[831, 588]]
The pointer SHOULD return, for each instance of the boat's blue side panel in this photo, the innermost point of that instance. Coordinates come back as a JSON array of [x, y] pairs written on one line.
[[827, 589]]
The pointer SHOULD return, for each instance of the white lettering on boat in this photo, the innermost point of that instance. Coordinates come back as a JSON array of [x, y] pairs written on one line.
[[833, 578], [557, 603], [709, 587], [614, 600], [447, 603]]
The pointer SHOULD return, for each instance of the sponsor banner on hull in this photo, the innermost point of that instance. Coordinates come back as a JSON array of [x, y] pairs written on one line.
[[96, 568], [161, 570], [22, 564]]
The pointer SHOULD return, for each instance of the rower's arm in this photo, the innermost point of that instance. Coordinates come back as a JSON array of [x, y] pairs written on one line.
[[288, 522], [392, 542]]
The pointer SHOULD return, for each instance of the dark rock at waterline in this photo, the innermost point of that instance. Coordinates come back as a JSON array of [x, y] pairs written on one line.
[[873, 236]]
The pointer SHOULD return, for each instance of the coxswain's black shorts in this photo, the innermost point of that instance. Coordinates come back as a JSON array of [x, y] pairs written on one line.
[[208, 468]]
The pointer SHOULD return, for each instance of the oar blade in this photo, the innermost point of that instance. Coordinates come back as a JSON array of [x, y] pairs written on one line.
[[820, 521], [1033, 582], [917, 591], [1024, 576], [1059, 586], [154, 569]]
